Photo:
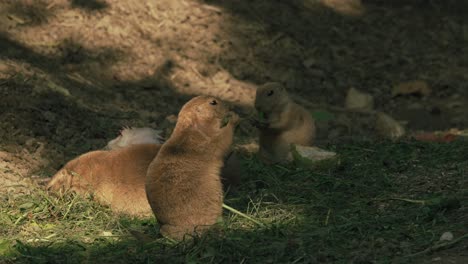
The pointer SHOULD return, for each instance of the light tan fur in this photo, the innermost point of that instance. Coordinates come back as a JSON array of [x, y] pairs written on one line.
[[284, 123], [115, 178], [183, 181]]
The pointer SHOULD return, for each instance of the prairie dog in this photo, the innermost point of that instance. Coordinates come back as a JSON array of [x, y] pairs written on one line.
[[183, 182], [115, 178], [284, 122]]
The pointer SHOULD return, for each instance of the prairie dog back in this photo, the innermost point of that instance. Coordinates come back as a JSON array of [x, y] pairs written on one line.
[[115, 178]]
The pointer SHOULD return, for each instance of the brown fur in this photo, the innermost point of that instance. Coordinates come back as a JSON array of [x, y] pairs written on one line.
[[285, 123], [183, 181], [115, 178]]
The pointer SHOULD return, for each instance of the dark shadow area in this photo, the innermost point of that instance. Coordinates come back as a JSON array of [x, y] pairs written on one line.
[[343, 51], [73, 125], [82, 71], [72, 52], [12, 50], [90, 5], [319, 54], [66, 127], [29, 13], [452, 7], [71, 114]]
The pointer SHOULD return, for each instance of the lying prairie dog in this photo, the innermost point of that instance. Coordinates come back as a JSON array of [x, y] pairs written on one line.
[[117, 177], [183, 181], [282, 122], [114, 178]]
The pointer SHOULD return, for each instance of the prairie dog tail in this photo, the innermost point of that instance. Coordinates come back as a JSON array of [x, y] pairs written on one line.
[[132, 136]]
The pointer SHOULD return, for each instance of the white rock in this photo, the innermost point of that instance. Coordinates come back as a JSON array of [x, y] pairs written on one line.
[[446, 236], [417, 87], [388, 127], [314, 157], [106, 233], [133, 136], [357, 100]]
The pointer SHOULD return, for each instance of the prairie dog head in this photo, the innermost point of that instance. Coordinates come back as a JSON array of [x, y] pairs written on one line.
[[207, 115], [271, 98]]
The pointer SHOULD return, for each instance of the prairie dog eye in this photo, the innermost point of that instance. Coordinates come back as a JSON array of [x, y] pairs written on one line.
[[270, 93], [213, 102]]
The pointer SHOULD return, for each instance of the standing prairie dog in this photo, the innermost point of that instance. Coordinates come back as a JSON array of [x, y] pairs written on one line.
[[282, 122], [115, 178], [183, 182]]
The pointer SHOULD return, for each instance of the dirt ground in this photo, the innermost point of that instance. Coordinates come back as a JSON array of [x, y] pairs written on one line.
[[73, 72]]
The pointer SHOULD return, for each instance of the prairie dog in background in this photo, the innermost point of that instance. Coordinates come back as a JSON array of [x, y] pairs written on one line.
[[115, 178], [282, 122], [183, 181]]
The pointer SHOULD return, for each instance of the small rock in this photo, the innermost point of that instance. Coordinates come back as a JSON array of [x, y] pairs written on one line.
[[417, 87], [387, 127], [358, 100], [106, 233], [446, 236], [314, 158]]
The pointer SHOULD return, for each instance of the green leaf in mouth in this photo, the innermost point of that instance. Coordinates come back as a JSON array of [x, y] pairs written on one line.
[[261, 116], [225, 120]]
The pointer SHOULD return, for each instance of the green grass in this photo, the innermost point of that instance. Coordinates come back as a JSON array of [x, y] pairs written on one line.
[[344, 215]]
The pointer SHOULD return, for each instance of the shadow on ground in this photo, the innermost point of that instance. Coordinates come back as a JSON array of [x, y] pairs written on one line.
[[90, 5], [53, 99]]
